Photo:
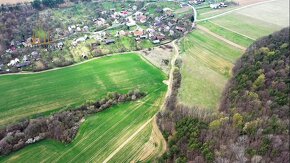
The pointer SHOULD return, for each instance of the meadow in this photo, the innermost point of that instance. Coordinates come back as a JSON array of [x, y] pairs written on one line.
[[30, 95], [207, 64]]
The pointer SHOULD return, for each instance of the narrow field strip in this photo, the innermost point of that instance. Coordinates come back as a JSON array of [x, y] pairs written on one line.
[[221, 38]]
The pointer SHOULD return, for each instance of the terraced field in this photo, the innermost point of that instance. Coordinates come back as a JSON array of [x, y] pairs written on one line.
[[33, 94], [207, 62], [104, 132]]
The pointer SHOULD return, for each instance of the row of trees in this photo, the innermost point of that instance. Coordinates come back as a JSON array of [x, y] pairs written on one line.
[[61, 126]]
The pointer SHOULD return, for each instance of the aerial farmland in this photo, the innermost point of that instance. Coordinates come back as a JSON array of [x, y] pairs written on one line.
[[144, 81]]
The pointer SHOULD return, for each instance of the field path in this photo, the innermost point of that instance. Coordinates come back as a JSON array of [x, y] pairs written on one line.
[[127, 141], [243, 7], [221, 38], [170, 80], [168, 93]]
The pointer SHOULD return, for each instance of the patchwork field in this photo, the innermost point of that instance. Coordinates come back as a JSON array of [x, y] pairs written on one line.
[[33, 94], [207, 63]]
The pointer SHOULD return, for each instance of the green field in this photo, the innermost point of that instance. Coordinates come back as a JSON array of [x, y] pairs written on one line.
[[28, 95], [245, 25], [99, 135], [206, 67], [228, 34]]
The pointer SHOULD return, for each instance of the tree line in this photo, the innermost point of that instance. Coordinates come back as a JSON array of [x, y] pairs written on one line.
[[62, 126]]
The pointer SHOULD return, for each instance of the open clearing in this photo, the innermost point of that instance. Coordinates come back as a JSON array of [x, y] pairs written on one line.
[[42, 93], [207, 62], [102, 133]]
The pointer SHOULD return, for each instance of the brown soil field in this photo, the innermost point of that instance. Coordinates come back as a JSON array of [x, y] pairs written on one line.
[[13, 1]]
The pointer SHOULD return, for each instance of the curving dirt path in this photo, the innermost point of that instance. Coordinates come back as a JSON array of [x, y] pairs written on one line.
[[221, 38], [155, 127]]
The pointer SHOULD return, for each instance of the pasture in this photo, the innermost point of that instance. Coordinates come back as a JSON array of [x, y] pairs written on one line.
[[30, 95], [207, 64]]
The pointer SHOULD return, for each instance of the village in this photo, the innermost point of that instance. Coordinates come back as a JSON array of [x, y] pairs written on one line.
[[126, 27]]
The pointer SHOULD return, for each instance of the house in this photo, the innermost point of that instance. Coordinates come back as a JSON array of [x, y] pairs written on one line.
[[23, 64], [181, 29], [138, 33], [142, 19], [85, 28], [79, 29], [183, 5], [60, 45], [1, 67], [130, 22], [110, 41], [122, 33], [156, 41], [100, 22], [13, 62], [143, 37], [35, 55], [25, 58]]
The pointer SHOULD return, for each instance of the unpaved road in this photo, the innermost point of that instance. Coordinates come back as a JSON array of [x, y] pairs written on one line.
[[221, 38], [168, 93]]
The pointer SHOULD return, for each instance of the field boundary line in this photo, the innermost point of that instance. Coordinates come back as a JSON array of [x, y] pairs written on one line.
[[127, 141], [232, 30], [243, 7], [202, 28]]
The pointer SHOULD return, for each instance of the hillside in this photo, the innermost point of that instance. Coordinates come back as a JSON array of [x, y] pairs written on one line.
[[252, 124]]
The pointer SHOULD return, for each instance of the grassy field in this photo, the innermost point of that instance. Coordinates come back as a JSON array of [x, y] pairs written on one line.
[[99, 135], [275, 12], [228, 34], [207, 63], [34, 94], [245, 25]]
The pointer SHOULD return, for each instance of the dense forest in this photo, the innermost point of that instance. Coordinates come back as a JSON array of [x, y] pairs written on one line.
[[252, 124]]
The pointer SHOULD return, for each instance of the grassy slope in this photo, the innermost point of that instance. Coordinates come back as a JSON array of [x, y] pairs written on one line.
[[206, 68], [102, 133], [227, 34], [99, 135], [29, 95], [245, 25]]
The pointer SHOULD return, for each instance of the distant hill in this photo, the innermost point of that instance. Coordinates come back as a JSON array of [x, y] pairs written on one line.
[[253, 122]]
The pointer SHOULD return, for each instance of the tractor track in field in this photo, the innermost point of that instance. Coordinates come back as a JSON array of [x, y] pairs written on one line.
[[168, 93], [202, 28]]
